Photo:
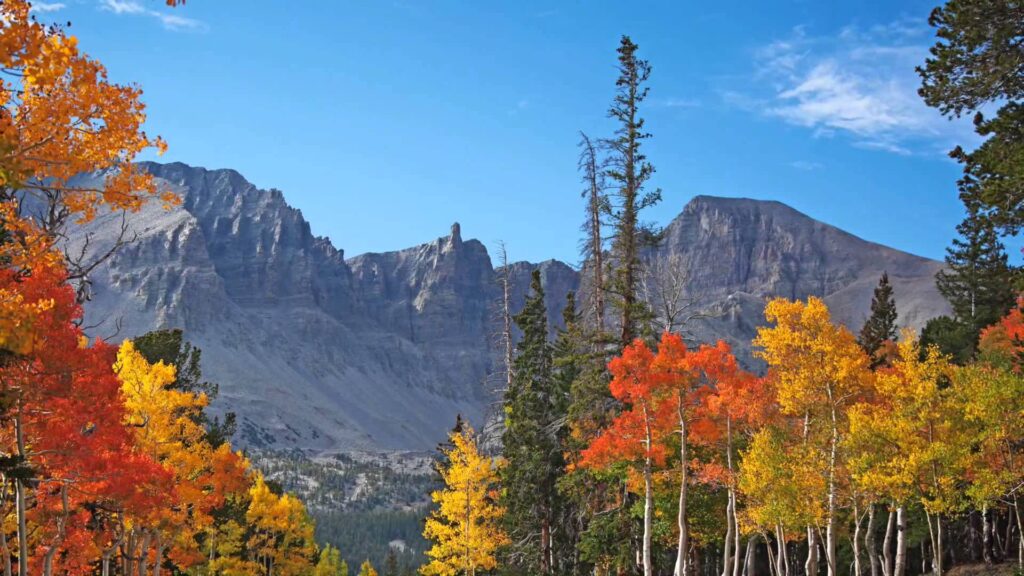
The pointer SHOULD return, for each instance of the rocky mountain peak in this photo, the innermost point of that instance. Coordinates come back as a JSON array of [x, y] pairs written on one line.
[[381, 350]]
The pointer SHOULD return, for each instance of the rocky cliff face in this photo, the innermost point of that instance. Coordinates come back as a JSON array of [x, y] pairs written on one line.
[[381, 351], [737, 253]]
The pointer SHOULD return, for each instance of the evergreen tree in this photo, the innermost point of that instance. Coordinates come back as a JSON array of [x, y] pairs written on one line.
[[976, 65], [593, 243], [881, 325], [952, 337], [532, 450], [171, 348], [391, 563], [596, 515], [628, 170], [978, 281]]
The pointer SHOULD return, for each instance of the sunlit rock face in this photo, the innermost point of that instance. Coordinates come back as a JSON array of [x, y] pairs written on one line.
[[380, 351]]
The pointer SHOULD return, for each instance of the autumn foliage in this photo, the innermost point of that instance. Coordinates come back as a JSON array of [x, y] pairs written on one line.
[[106, 466]]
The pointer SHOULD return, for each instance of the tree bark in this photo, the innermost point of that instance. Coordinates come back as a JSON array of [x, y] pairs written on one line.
[[749, 557], [648, 498], [19, 496], [1020, 532], [869, 542], [856, 540], [811, 566], [888, 567], [736, 571], [830, 526], [682, 552], [900, 567], [986, 536]]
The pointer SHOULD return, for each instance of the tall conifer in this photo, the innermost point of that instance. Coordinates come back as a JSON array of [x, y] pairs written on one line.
[[881, 325], [628, 170], [978, 281], [531, 447]]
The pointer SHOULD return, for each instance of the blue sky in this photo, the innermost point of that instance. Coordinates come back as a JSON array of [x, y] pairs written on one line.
[[386, 121]]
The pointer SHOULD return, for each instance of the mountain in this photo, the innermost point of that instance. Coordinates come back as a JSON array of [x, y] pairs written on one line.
[[379, 352]]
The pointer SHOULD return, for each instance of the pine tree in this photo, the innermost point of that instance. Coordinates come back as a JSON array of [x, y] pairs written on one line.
[[391, 563], [978, 281], [171, 348], [629, 169], [975, 67], [881, 325], [531, 446], [593, 243]]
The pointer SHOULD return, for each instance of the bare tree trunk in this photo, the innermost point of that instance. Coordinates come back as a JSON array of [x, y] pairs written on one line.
[[783, 549], [774, 563], [648, 498], [888, 568], [158, 561], [856, 539], [1020, 532], [4, 545], [899, 569], [19, 496], [811, 566], [869, 542], [986, 536], [749, 558], [648, 518], [506, 314], [61, 532], [682, 552], [595, 189], [736, 570], [143, 565], [727, 552], [830, 526]]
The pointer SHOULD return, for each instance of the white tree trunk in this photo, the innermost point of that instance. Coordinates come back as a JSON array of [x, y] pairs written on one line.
[[683, 545], [900, 567], [811, 566]]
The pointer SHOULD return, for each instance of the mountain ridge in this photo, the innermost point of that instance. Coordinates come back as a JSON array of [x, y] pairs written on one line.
[[380, 351]]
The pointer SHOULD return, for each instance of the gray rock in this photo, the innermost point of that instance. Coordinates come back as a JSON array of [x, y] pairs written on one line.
[[381, 351]]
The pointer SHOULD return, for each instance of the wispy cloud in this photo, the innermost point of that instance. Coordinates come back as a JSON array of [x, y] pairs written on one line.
[[520, 106], [677, 103], [44, 7], [169, 21], [859, 83], [806, 165]]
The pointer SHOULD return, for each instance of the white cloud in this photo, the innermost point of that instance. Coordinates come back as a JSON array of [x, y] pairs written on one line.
[[169, 21], [44, 7], [175, 22], [677, 103], [858, 83], [123, 7], [806, 165]]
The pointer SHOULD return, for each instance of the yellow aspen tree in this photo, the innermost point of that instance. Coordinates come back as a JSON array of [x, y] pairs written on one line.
[[780, 479], [167, 430], [465, 527], [992, 397], [367, 569], [330, 563], [819, 371], [911, 441], [282, 541]]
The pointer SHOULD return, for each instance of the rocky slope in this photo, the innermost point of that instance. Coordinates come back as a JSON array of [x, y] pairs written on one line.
[[381, 351]]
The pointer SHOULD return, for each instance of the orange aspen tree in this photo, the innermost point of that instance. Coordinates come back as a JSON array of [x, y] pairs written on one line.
[[637, 435]]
